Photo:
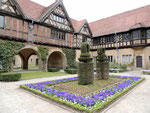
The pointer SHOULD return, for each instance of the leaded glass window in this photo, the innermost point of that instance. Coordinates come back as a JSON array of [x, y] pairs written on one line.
[[58, 19], [136, 34], [127, 59], [148, 33], [126, 37], [1, 21]]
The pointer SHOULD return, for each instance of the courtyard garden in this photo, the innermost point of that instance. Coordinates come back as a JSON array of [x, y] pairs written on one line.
[[88, 92], [93, 98]]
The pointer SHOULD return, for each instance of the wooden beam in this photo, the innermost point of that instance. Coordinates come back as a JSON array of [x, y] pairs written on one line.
[[22, 29], [11, 26], [5, 24], [17, 28]]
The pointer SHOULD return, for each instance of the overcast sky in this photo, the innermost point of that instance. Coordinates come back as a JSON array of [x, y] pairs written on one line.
[[93, 10]]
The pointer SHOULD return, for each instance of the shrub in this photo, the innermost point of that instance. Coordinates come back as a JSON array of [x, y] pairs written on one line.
[[102, 64], [85, 73], [53, 69], [71, 71], [122, 68], [102, 70], [85, 66], [2, 71], [10, 76], [71, 56], [146, 72]]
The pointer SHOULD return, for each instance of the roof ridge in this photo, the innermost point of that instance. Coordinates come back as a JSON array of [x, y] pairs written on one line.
[[36, 3], [120, 14]]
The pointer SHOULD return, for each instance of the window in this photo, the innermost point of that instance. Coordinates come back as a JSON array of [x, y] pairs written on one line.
[[62, 36], [110, 58], [148, 33], [126, 37], [95, 41], [52, 34], [85, 29], [136, 34], [126, 59], [84, 39], [109, 39], [58, 35], [58, 19], [2, 21]]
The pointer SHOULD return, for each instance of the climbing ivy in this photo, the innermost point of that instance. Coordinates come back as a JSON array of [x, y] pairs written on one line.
[[71, 56], [7, 52], [43, 51]]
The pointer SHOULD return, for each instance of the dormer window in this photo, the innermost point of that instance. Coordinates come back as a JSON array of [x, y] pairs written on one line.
[[85, 29], [58, 19], [2, 21]]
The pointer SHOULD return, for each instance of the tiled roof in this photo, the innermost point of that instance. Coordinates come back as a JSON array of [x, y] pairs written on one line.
[[33, 10], [77, 24], [122, 22]]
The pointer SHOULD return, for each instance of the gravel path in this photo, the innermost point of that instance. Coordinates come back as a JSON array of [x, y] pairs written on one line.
[[16, 100]]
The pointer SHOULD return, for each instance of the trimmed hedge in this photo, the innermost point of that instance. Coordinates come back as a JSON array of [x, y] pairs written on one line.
[[53, 69], [102, 70], [146, 72], [71, 71], [2, 71], [10, 76], [85, 73]]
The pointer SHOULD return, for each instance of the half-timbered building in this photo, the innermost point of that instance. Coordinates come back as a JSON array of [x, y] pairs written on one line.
[[126, 36]]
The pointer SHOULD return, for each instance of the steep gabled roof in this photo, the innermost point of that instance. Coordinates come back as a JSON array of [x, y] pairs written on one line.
[[77, 24], [31, 9], [34, 10], [122, 22]]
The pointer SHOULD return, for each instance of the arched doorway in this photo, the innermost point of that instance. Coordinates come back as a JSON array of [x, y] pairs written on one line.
[[17, 64], [56, 60], [29, 59]]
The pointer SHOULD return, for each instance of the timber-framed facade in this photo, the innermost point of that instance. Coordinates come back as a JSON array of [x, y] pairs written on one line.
[[126, 36]]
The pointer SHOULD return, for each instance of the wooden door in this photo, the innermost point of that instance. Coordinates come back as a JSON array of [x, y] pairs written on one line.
[[139, 63]]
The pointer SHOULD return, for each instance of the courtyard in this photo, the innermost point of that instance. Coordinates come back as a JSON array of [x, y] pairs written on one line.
[[15, 99]]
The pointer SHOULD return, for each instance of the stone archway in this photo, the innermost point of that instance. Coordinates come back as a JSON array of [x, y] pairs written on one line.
[[56, 60], [25, 54]]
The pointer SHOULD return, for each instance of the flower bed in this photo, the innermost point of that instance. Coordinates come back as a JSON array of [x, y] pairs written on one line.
[[90, 103]]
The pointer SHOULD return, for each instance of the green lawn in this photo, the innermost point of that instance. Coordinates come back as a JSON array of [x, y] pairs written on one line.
[[33, 67], [32, 75], [30, 67]]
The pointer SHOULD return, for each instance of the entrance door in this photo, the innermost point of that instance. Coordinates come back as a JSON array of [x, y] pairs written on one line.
[[139, 62]]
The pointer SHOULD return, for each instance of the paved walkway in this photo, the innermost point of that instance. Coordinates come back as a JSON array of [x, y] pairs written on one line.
[[136, 101], [16, 100]]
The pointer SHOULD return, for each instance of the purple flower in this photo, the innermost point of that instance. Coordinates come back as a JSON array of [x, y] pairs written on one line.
[[84, 101]]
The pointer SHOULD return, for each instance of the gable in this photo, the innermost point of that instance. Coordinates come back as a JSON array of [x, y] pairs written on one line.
[[59, 18], [85, 30], [9, 6]]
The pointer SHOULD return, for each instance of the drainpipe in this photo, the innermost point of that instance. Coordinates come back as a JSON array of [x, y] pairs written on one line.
[[117, 51]]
